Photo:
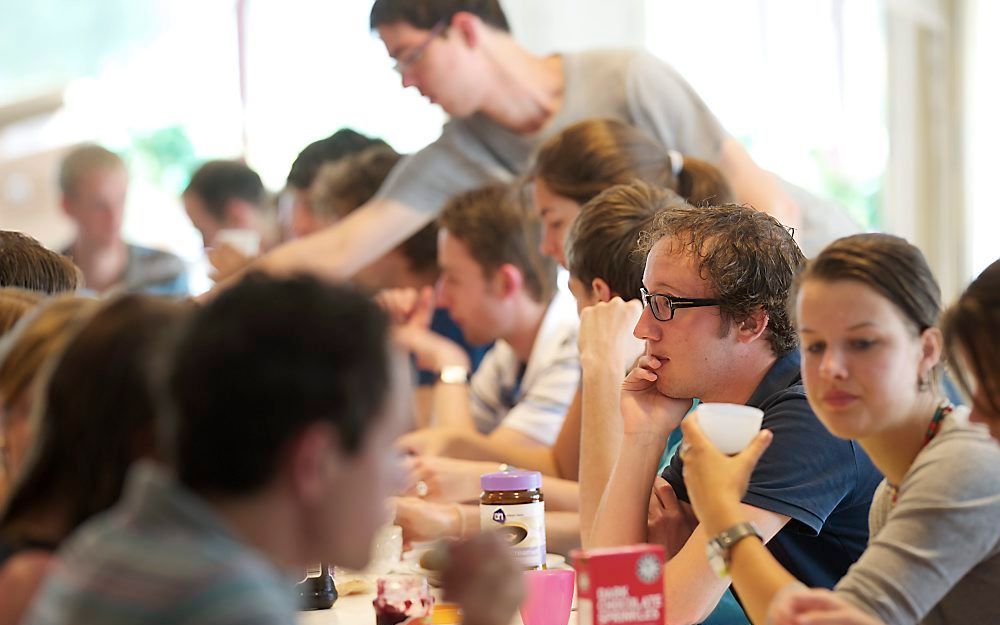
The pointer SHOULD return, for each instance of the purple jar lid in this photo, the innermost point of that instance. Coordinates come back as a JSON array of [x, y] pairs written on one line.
[[511, 480]]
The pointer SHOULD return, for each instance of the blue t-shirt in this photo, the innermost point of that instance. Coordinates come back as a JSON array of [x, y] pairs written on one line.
[[823, 483], [442, 324]]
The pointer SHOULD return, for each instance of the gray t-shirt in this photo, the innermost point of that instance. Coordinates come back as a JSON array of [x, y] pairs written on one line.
[[628, 85], [934, 557]]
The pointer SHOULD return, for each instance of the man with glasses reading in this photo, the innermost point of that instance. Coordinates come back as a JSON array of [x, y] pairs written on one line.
[[716, 328]]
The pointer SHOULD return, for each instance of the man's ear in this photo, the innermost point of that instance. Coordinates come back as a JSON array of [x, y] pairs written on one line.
[[509, 280], [469, 27], [752, 327], [601, 290], [66, 206], [311, 460]]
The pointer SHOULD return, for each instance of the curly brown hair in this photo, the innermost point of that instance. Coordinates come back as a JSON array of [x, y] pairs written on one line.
[[748, 258]]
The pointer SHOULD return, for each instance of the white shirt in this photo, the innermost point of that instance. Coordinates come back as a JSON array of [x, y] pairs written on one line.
[[535, 402]]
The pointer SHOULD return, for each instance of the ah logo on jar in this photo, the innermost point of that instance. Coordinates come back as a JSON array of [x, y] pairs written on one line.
[[499, 516]]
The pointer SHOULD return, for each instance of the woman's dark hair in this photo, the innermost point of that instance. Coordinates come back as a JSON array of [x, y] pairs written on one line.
[[96, 415], [887, 264], [971, 327], [593, 155]]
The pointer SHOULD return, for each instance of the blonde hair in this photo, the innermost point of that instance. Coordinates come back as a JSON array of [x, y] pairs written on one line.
[[81, 161], [36, 338], [14, 304]]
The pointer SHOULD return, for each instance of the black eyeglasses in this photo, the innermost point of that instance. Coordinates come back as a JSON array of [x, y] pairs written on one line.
[[414, 55], [663, 306]]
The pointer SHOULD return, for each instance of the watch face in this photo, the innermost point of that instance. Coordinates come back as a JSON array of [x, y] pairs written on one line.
[[716, 558]]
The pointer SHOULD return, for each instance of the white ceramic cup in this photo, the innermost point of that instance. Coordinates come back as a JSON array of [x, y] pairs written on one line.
[[730, 427], [246, 242]]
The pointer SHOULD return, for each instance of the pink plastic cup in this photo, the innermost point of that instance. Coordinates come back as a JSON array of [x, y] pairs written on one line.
[[548, 597]]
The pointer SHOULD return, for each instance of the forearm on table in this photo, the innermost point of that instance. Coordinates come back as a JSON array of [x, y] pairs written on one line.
[[562, 529], [621, 515], [450, 407]]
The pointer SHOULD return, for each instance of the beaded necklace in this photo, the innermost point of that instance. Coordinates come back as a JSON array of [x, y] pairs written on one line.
[[932, 429]]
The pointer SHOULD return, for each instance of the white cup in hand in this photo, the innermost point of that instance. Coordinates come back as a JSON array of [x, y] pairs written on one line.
[[244, 241], [730, 427]]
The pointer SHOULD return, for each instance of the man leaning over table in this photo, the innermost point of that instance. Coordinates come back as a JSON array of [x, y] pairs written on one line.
[[716, 329], [504, 102]]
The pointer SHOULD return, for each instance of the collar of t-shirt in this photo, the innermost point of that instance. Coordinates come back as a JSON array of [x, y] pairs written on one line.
[[785, 372]]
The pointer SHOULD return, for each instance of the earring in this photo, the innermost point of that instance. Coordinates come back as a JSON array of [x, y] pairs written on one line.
[[922, 383]]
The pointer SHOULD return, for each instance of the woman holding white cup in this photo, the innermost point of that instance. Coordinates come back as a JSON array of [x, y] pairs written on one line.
[[866, 309]]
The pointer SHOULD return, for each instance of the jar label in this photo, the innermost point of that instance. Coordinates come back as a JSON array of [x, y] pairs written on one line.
[[523, 527]]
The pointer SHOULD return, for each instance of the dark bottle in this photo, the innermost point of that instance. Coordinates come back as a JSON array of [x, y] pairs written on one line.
[[317, 590]]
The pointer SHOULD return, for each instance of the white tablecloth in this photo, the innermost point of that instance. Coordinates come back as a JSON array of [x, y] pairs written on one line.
[[358, 610]]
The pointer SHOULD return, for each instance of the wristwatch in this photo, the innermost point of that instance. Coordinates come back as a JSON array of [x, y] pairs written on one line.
[[720, 547], [453, 374]]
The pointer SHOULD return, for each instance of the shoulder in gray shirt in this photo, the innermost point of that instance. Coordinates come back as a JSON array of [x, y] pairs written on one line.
[[934, 557]]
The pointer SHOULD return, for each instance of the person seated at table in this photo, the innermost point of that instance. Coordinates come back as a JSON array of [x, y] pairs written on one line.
[[715, 326], [25, 350], [280, 433], [867, 309], [586, 158], [498, 288], [225, 196], [602, 272], [303, 220], [27, 264], [95, 416], [340, 188], [94, 184]]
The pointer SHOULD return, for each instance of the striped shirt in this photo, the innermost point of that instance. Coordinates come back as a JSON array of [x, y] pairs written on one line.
[[531, 397], [161, 555]]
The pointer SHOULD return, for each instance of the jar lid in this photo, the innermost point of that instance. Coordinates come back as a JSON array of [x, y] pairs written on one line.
[[511, 480]]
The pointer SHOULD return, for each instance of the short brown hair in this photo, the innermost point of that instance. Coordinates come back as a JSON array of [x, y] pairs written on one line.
[[748, 258], [82, 160], [425, 14], [27, 264], [970, 328], [590, 156], [342, 186], [497, 229], [601, 240]]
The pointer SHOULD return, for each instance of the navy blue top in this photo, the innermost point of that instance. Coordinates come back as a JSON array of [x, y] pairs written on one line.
[[443, 324], [823, 483]]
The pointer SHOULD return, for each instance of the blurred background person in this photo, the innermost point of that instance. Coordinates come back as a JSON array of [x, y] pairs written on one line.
[[227, 203], [94, 416], [94, 182]]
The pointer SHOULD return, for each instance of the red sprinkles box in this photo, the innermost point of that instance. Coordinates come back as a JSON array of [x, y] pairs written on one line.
[[620, 585]]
